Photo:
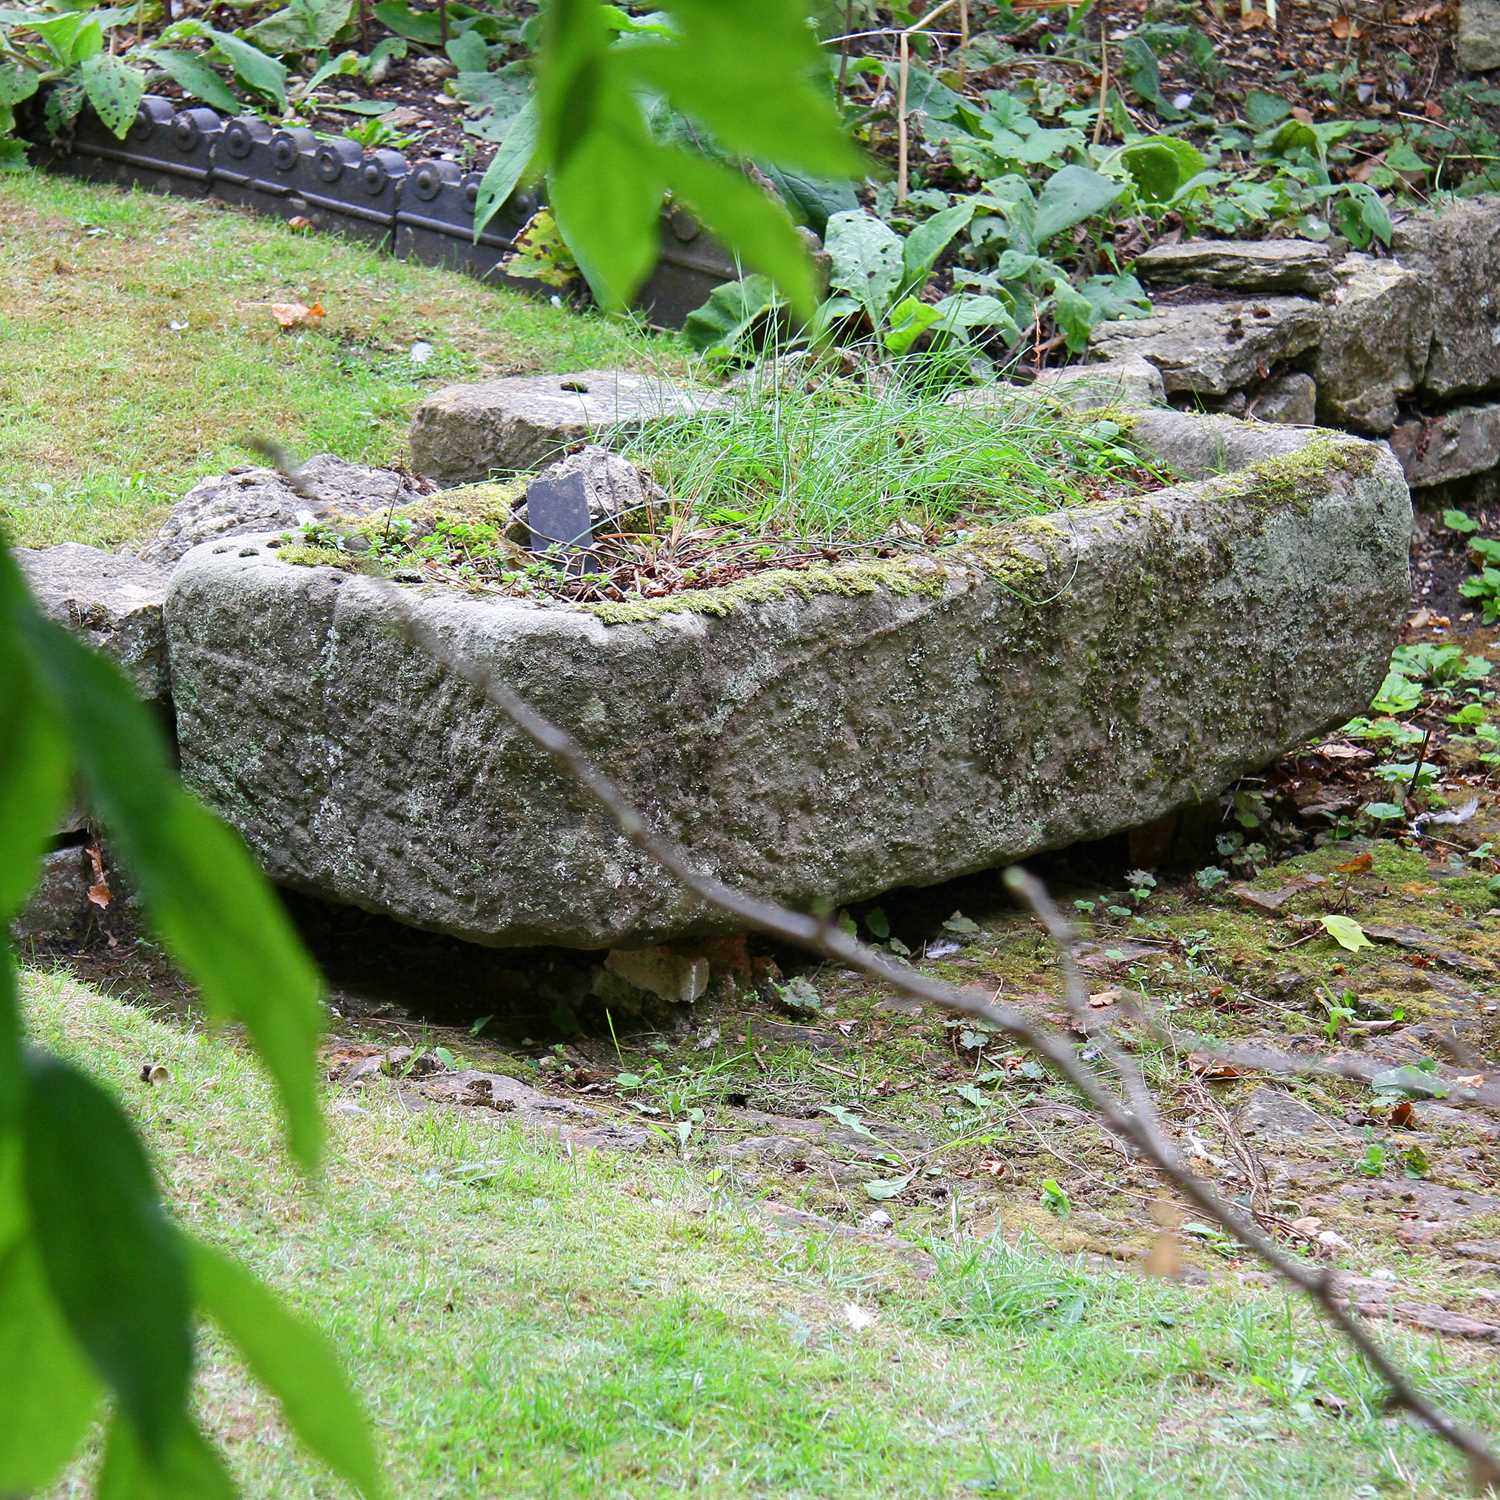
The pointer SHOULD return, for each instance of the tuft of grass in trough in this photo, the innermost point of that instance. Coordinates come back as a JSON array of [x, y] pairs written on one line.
[[882, 454]]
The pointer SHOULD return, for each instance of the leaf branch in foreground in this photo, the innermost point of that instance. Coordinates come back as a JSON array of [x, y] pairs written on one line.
[[1134, 1118]]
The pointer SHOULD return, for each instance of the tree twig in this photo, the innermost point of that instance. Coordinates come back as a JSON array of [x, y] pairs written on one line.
[[1136, 1120]]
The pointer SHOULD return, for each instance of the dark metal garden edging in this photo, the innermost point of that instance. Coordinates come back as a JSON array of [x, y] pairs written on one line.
[[421, 211]]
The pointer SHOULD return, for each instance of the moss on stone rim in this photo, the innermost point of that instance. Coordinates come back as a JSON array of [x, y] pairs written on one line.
[[1012, 554]]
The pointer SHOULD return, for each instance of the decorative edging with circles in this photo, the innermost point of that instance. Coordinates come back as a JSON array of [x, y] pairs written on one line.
[[422, 211]]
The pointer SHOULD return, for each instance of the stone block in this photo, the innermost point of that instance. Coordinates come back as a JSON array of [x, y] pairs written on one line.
[[515, 425], [114, 603], [1477, 45], [1457, 253], [1376, 337], [58, 907], [1454, 444], [255, 500], [1246, 265], [1125, 383], [677, 978], [1213, 348], [1291, 399]]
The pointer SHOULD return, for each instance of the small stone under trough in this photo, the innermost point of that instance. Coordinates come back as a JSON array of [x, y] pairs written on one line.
[[818, 737]]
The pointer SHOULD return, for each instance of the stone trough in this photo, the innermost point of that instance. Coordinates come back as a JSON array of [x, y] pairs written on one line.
[[817, 737]]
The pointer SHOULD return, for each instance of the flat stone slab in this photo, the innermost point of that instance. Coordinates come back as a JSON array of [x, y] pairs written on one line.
[[1248, 265], [113, 602], [816, 736], [1478, 41], [1213, 348], [255, 499], [1456, 443], [464, 433]]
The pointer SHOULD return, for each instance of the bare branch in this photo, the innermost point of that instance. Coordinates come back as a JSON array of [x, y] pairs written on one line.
[[1137, 1123]]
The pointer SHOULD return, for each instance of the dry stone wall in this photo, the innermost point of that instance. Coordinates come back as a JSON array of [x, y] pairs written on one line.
[[1404, 346]]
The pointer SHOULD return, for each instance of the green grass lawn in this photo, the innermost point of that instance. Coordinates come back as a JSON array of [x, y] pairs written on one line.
[[522, 1321], [138, 350]]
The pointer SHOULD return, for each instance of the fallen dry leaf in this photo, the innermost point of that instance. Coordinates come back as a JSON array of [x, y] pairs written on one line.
[[1212, 1068], [1103, 998], [299, 223], [99, 892], [1401, 1114], [1254, 22], [297, 314], [1356, 866], [994, 1166], [1470, 1081], [1421, 14], [1343, 28]]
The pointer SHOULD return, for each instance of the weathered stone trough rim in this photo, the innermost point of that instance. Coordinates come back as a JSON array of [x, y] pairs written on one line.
[[1010, 552]]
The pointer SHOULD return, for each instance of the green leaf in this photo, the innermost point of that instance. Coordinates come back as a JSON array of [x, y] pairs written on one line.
[[741, 215], [1263, 109], [12, 156], [1070, 196], [507, 167], [114, 88], [605, 184], [17, 83], [930, 238], [1346, 932], [866, 258], [909, 319], [194, 76], [811, 199], [1161, 165], [252, 67], [73, 36], [1387, 812], [415, 25], [1054, 1199], [112, 1261], [51, 1392], [204, 896], [293, 1361], [891, 1187], [1460, 521], [751, 71], [1408, 1082], [878, 924], [185, 1467], [34, 761], [302, 26], [732, 311], [1397, 695]]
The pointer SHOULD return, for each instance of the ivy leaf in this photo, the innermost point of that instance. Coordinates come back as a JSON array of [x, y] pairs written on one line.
[[1346, 932]]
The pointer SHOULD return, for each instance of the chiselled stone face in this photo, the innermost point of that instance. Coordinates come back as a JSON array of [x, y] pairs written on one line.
[[816, 737]]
